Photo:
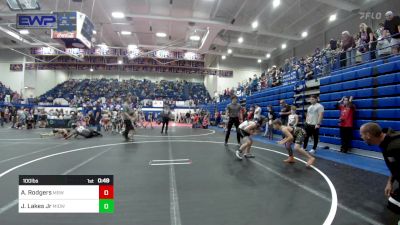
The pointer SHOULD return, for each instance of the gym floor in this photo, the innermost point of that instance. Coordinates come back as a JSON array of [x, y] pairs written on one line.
[[213, 189]]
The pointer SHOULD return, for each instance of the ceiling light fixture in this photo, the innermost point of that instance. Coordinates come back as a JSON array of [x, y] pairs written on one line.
[[254, 25], [118, 15], [268, 55], [284, 46], [24, 32], [194, 38], [126, 32], [276, 3], [304, 34], [332, 17], [240, 40], [223, 57], [259, 60], [160, 34], [229, 51]]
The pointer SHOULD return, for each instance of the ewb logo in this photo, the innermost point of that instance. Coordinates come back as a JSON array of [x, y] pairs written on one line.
[[36, 21]]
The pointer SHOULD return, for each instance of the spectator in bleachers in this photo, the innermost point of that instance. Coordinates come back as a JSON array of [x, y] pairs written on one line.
[[347, 110], [348, 47], [389, 142], [309, 73], [315, 114], [367, 40], [285, 111], [392, 28], [358, 48], [383, 46]]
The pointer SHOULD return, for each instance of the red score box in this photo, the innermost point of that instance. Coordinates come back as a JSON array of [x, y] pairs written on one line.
[[106, 192]]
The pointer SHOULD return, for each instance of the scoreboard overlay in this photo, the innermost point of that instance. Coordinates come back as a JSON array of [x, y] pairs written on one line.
[[66, 194]]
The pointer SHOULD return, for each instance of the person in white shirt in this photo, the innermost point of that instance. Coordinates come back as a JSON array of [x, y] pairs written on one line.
[[247, 129], [315, 114], [293, 119], [257, 112]]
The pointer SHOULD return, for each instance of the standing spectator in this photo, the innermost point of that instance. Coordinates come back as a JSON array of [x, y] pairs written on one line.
[[315, 114], [293, 117], [233, 112], [2, 116], [268, 126], [389, 141], [250, 114], [257, 112], [14, 117], [126, 116], [367, 40], [97, 115], [348, 45], [309, 73], [392, 28], [218, 118], [383, 46], [285, 111], [188, 117], [346, 119]]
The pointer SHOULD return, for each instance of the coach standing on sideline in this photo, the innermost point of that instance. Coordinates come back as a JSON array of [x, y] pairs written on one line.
[[233, 112], [389, 141], [315, 114]]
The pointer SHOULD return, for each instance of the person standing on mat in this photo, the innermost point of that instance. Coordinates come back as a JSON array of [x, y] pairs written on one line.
[[389, 142], [293, 135], [233, 113], [347, 109], [126, 116], [246, 130], [165, 116], [315, 114]]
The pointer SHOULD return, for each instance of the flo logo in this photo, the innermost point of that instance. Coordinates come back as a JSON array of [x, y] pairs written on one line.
[[370, 15]]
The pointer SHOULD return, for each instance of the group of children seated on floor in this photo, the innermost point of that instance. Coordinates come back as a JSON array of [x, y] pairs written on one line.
[[201, 120]]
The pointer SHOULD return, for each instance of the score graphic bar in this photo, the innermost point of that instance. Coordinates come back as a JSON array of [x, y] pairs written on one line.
[[66, 194]]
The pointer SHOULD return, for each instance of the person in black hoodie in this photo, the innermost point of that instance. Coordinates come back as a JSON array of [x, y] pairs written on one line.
[[389, 141]]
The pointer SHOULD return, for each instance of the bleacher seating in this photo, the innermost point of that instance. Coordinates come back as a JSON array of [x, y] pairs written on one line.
[[144, 89], [271, 96], [375, 86]]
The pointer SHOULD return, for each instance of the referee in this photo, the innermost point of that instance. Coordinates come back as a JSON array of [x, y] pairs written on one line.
[[126, 116], [233, 112]]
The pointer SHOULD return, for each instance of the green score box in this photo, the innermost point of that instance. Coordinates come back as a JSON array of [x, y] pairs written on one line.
[[106, 206]]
